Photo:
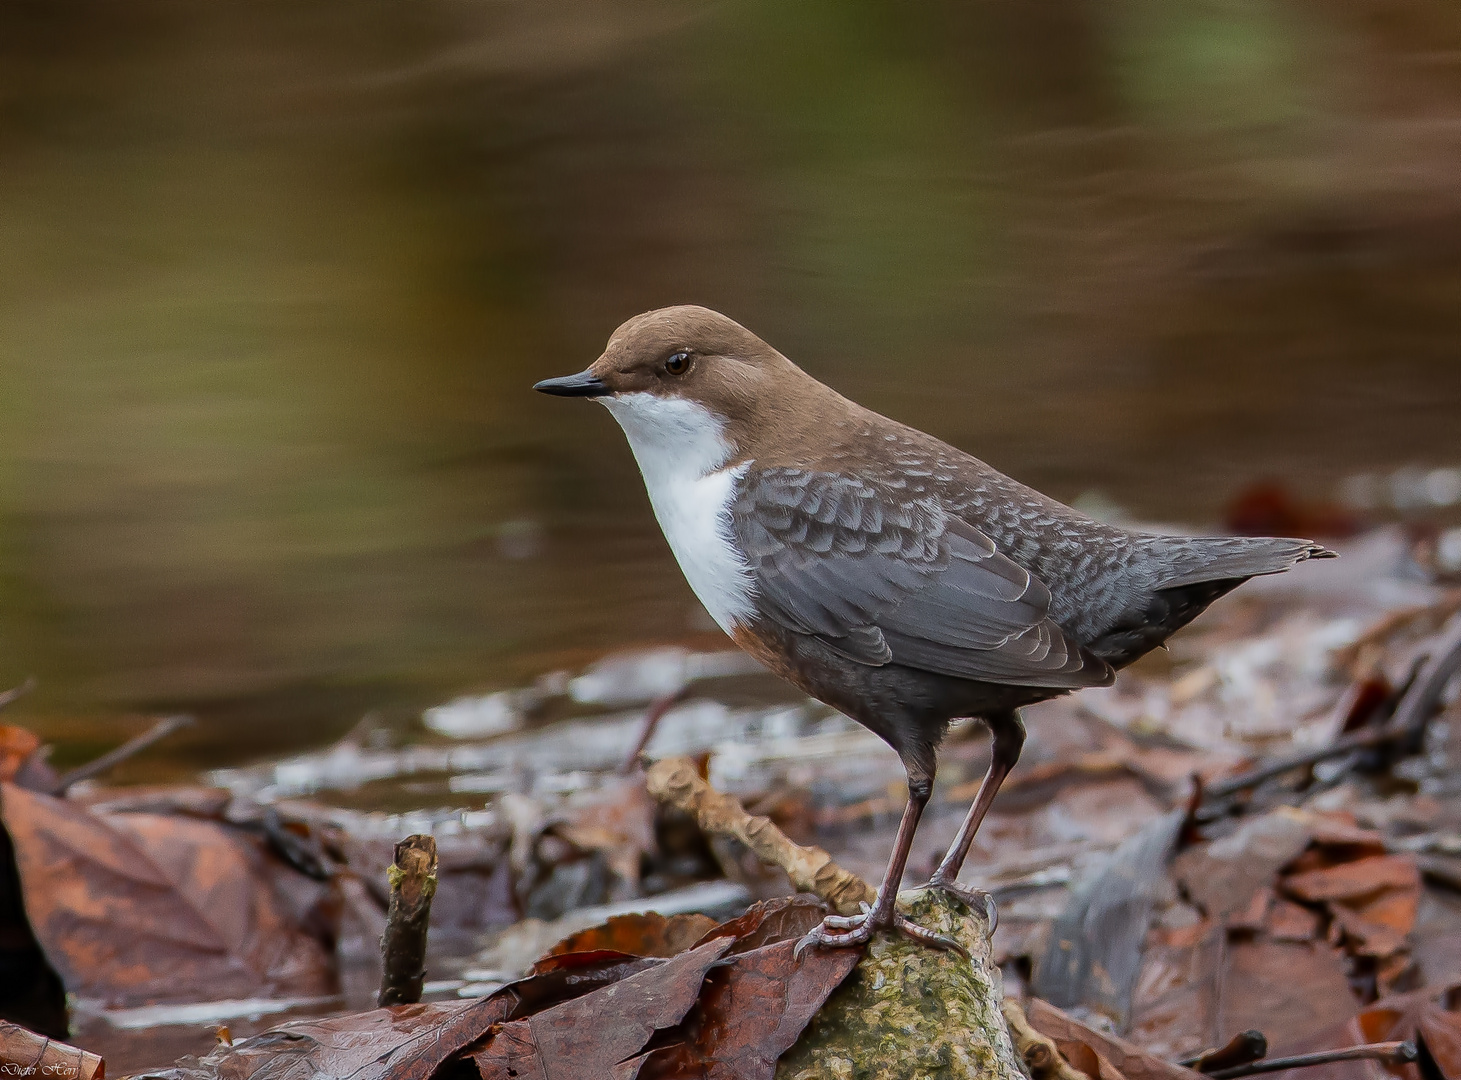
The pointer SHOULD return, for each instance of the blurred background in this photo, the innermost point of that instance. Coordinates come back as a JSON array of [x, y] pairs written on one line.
[[276, 277]]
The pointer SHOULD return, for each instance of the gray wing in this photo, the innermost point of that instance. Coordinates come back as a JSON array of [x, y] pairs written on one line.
[[883, 579]]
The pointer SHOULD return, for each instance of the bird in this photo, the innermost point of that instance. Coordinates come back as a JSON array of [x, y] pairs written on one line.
[[884, 572]]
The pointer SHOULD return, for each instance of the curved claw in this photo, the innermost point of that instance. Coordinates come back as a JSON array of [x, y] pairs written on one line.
[[859, 932], [859, 929], [975, 899]]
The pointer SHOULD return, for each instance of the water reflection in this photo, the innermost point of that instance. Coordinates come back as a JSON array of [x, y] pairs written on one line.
[[276, 279]]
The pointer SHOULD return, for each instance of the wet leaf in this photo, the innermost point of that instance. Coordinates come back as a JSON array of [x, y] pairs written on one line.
[[643, 934], [752, 1010], [589, 1036], [403, 1042], [770, 921], [136, 909], [1115, 1057], [24, 1053]]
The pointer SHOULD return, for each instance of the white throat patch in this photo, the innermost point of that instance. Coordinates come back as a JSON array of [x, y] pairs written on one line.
[[680, 447]]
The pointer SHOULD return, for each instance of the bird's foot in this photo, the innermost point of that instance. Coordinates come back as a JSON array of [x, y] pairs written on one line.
[[842, 931], [974, 899]]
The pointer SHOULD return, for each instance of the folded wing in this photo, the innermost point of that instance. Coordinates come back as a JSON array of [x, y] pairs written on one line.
[[883, 579]]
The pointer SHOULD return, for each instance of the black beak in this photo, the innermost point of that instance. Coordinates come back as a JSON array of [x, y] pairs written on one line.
[[581, 385]]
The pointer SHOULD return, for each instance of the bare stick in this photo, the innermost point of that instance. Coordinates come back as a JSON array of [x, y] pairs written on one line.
[[676, 782], [403, 945], [156, 733], [1391, 1053], [1409, 721]]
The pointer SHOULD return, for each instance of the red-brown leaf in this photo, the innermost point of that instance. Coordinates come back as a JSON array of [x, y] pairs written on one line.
[[770, 921], [1113, 1054], [588, 1036], [1352, 881], [134, 909], [403, 1042], [752, 1011], [645, 934]]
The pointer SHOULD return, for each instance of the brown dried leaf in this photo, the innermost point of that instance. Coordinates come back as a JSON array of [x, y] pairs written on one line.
[[1354, 881], [1367, 938], [1288, 921], [403, 1042], [1115, 1056], [589, 1036], [770, 921], [1401, 1016], [555, 979], [619, 822], [1283, 989], [1440, 1032], [750, 1012], [644, 934], [24, 1053], [133, 909]]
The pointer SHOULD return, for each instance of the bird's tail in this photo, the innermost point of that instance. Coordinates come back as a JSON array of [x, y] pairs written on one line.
[[1192, 560]]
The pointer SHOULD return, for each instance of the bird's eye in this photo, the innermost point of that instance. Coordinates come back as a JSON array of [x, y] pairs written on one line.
[[678, 363]]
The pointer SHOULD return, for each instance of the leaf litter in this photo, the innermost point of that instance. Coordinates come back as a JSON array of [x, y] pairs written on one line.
[[1319, 905]]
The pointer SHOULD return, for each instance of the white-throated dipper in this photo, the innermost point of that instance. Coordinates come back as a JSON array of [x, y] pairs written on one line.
[[882, 571]]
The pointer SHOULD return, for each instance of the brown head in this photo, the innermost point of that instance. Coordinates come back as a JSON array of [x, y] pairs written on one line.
[[693, 356]]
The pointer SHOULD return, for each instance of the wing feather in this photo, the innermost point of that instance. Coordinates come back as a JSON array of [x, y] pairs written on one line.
[[882, 579]]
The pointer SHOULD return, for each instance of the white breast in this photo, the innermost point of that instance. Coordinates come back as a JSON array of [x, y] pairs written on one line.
[[681, 448]]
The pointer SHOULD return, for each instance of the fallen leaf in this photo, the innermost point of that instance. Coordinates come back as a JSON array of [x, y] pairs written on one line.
[[750, 1013], [1396, 908], [1283, 989], [1416, 1016], [135, 909], [1352, 881], [402, 1042], [1367, 938], [770, 921], [588, 1036], [1288, 921], [1175, 1002], [1221, 877], [24, 1053], [642, 934], [1112, 1052]]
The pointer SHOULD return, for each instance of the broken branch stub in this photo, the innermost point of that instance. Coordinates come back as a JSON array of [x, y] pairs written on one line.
[[403, 946], [677, 782]]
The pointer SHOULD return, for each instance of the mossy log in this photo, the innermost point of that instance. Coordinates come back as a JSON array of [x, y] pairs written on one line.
[[910, 1012]]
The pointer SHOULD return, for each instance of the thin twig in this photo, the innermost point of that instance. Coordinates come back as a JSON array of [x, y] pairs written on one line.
[[1391, 1053], [1410, 718], [156, 733], [15, 692]]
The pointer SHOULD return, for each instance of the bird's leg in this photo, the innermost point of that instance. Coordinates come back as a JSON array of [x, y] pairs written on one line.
[[1008, 736], [839, 930]]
